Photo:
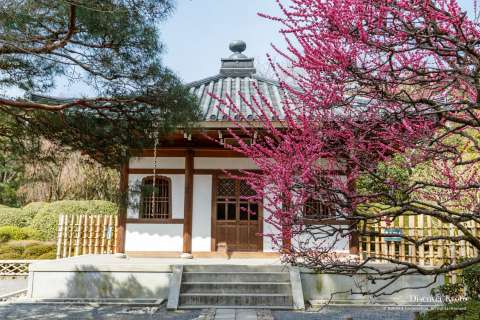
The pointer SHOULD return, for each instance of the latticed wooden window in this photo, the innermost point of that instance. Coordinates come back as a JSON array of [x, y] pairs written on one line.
[[156, 198], [322, 203], [318, 209], [232, 200]]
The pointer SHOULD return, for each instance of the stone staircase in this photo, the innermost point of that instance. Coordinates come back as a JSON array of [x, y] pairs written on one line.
[[240, 286]]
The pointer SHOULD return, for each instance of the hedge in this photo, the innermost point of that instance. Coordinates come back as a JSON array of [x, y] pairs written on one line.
[[14, 217], [46, 219]]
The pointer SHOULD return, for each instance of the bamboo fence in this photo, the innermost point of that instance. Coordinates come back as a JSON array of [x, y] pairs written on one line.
[[433, 253], [86, 234]]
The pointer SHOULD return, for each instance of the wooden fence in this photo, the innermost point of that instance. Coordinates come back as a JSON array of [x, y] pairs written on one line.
[[86, 234], [433, 253]]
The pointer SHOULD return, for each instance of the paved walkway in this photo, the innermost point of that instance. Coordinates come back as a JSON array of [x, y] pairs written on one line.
[[32, 311], [242, 314]]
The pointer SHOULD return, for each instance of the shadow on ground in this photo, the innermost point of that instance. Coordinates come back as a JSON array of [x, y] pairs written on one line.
[[15, 311], [356, 313]]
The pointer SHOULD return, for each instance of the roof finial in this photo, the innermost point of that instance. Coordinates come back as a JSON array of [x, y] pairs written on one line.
[[238, 64], [238, 46]]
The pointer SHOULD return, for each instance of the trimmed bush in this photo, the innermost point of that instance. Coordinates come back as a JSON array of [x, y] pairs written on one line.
[[31, 233], [46, 219], [27, 249], [8, 233], [14, 217]]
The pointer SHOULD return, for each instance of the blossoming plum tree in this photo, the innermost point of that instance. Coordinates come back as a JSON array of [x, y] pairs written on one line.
[[381, 120]]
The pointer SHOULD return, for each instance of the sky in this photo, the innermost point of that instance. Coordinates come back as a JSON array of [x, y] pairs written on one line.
[[197, 36], [199, 32]]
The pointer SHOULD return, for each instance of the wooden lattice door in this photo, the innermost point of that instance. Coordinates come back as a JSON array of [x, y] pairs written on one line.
[[237, 220]]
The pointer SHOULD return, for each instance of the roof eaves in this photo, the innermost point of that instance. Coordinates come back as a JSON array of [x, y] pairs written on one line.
[[230, 124], [204, 81]]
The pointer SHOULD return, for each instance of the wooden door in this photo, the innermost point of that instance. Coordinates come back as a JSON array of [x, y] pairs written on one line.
[[237, 221]]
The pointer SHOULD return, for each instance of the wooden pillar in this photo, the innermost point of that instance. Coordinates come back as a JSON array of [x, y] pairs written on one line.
[[122, 213], [286, 231], [354, 243], [188, 204]]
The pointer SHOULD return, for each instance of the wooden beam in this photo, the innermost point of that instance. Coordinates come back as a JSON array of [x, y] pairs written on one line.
[[188, 204], [157, 171], [122, 212], [219, 152], [155, 221]]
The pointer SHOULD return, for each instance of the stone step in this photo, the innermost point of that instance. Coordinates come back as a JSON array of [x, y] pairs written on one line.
[[236, 287], [235, 277], [234, 307], [234, 268], [236, 299]]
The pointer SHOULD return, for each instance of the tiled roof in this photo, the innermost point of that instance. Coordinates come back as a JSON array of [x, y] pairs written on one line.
[[237, 78], [247, 87]]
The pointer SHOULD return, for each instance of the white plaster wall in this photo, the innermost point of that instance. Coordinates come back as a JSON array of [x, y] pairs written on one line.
[[178, 191], [268, 245], [154, 237], [162, 162], [202, 213], [224, 163], [81, 285], [336, 243], [307, 241]]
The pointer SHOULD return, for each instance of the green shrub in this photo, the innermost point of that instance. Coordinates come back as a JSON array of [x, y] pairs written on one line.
[[31, 233], [449, 290], [27, 249], [471, 280], [46, 219], [8, 233], [467, 310], [33, 208], [14, 217], [37, 250]]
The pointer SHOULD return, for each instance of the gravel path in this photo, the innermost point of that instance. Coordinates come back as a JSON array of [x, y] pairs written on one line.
[[8, 285], [17, 311]]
